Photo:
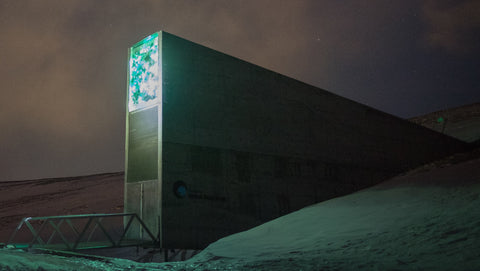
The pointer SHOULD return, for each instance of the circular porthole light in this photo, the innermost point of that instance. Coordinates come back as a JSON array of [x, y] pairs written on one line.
[[180, 189]]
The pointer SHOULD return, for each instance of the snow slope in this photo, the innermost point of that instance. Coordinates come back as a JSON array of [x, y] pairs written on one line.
[[427, 219], [423, 221], [461, 122]]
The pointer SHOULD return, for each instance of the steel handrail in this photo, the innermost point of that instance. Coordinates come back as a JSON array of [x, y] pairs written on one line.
[[96, 219]]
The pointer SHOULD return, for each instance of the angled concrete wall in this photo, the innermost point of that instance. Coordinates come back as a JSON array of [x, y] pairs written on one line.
[[250, 145]]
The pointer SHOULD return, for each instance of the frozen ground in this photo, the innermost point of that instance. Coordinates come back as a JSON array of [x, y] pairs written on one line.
[[427, 219], [59, 196]]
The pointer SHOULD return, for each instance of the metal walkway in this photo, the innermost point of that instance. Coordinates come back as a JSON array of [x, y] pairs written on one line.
[[76, 232]]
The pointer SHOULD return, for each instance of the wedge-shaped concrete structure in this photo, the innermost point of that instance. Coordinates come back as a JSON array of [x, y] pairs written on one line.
[[216, 145]]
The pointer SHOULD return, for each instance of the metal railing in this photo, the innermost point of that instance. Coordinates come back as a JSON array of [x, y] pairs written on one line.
[[75, 232]]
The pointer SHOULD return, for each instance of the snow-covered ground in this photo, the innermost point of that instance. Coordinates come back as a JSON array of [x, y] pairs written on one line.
[[461, 122], [427, 219]]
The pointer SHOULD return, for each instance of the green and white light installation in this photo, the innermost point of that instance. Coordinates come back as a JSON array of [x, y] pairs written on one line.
[[144, 84]]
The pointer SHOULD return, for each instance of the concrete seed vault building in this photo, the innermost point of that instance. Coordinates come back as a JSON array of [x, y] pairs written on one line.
[[216, 145]]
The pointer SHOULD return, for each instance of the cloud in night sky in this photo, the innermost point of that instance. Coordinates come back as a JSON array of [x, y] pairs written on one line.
[[63, 63], [453, 25]]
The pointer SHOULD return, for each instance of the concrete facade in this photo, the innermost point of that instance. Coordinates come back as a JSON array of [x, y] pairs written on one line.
[[231, 145]]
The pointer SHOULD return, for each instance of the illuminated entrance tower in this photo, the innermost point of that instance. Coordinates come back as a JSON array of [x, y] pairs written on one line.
[[144, 134], [216, 145]]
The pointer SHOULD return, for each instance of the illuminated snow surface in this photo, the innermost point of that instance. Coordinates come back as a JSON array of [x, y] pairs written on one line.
[[428, 219]]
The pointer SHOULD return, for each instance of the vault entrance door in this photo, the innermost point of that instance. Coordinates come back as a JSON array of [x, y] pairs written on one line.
[[142, 186], [150, 202]]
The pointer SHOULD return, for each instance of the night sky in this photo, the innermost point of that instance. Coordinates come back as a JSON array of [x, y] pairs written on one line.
[[63, 64]]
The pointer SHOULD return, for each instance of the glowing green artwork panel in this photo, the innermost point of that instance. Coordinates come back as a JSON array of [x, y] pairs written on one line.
[[144, 85]]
